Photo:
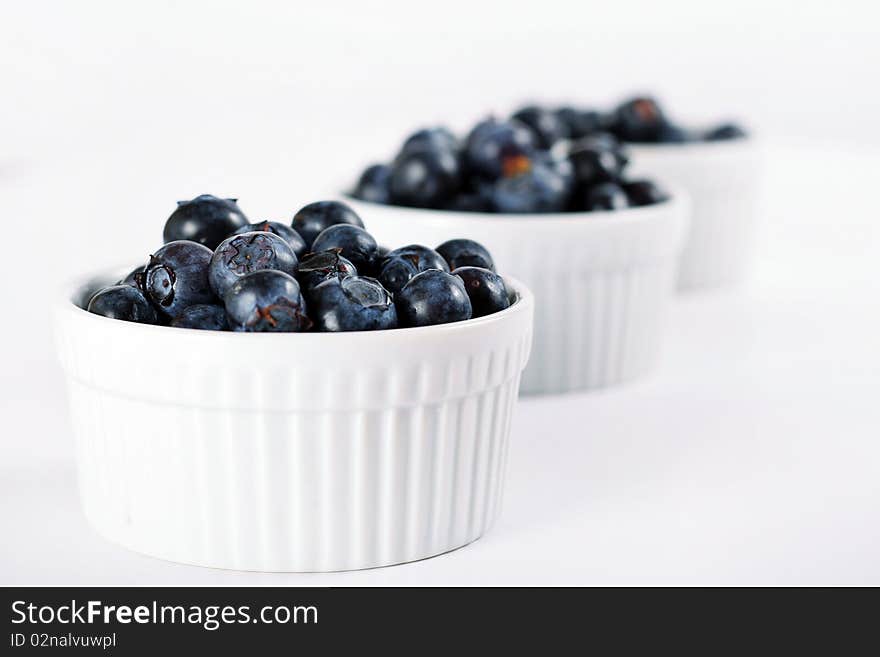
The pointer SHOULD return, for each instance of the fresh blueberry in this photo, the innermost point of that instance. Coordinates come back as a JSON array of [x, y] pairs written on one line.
[[353, 303], [725, 131], [204, 316], [580, 123], [177, 276], [470, 202], [285, 232], [545, 125], [597, 159], [644, 192], [376, 265], [539, 189], [498, 148], [605, 196], [424, 177], [432, 297], [485, 289], [312, 219], [400, 265], [602, 139], [558, 161], [465, 253], [639, 119], [316, 268], [673, 134], [354, 243], [122, 302], [431, 139], [205, 219], [266, 301], [249, 252], [373, 185]]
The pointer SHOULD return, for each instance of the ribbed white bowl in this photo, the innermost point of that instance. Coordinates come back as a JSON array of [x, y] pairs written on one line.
[[292, 452], [722, 179], [601, 280]]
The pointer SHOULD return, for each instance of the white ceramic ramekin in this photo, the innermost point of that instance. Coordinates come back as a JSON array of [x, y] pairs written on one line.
[[722, 179], [601, 280], [292, 452]]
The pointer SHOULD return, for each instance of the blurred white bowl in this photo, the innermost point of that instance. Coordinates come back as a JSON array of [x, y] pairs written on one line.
[[292, 452], [722, 179], [601, 280]]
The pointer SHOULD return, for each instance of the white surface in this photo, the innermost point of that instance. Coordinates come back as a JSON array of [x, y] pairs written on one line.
[[751, 456], [313, 452], [602, 281]]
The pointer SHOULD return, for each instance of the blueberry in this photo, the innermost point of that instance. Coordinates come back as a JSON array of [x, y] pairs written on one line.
[[644, 192], [540, 189], [485, 289], [310, 220], [466, 253], [354, 243], [605, 196], [353, 303], [558, 161], [580, 123], [431, 139], [424, 177], [205, 219], [266, 301], [498, 148], [639, 119], [673, 134], [597, 159], [249, 252], [546, 126], [400, 265], [373, 185], [603, 139], [316, 268], [122, 302], [204, 316], [432, 297], [470, 202], [725, 131], [285, 232], [177, 276]]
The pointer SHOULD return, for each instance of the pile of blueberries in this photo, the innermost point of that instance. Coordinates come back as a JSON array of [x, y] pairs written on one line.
[[324, 272], [539, 160]]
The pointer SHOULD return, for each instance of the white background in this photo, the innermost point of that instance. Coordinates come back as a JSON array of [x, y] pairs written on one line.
[[751, 456]]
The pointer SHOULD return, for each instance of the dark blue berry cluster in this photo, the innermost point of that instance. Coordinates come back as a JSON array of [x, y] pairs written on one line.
[[641, 120], [539, 160], [324, 272]]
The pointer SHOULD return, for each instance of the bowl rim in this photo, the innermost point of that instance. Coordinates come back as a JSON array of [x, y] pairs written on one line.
[[748, 142], [67, 306], [678, 198]]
